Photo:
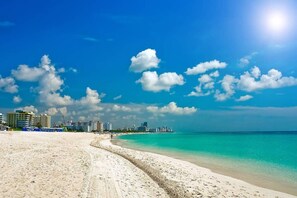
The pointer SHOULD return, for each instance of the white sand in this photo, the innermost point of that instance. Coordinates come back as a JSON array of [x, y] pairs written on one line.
[[184, 179], [66, 165]]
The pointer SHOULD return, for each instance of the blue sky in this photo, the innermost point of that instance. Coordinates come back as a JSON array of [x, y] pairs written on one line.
[[194, 65]]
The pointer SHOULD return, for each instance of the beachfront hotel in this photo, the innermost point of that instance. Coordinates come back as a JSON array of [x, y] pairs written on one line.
[[42, 120], [20, 119], [86, 126]]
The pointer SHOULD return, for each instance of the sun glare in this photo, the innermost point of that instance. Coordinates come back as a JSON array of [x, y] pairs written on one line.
[[277, 22]]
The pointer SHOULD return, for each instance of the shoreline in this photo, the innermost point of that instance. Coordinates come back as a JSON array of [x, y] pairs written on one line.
[[187, 178], [242, 172]]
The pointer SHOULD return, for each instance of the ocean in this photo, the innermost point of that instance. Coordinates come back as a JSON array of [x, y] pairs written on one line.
[[267, 159]]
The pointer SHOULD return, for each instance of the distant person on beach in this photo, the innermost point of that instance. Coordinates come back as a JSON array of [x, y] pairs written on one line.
[[111, 136]]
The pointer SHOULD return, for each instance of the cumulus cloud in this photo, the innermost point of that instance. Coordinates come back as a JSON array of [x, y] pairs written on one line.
[[55, 99], [30, 108], [244, 61], [90, 102], [25, 73], [150, 81], [17, 99], [49, 82], [198, 92], [206, 82], [172, 108], [63, 111], [228, 85], [206, 66], [52, 111], [91, 98], [144, 60], [253, 80], [8, 85], [244, 98], [121, 108]]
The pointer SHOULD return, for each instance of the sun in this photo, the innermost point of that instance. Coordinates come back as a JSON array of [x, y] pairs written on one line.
[[277, 22]]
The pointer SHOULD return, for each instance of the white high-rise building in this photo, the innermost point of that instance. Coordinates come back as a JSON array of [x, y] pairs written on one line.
[[20, 119], [107, 126], [1, 118], [44, 120]]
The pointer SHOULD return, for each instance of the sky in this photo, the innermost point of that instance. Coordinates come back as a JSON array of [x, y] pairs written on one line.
[[190, 65]]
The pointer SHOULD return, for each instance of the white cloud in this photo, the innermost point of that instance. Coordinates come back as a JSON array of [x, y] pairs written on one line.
[[198, 92], [49, 82], [144, 60], [55, 99], [17, 99], [206, 66], [121, 108], [272, 80], [228, 84], [8, 85], [63, 111], [52, 111], [172, 108], [30, 108], [150, 81], [244, 61], [91, 101], [244, 98], [215, 74], [206, 82], [117, 97], [253, 81], [61, 70], [255, 71], [91, 98], [25, 73]]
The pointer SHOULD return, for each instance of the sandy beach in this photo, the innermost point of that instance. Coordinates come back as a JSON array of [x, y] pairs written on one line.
[[88, 165]]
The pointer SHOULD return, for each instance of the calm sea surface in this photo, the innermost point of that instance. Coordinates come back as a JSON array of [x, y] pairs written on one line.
[[269, 153]]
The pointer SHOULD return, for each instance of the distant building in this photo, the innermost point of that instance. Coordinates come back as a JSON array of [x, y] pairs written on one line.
[[145, 124], [143, 127], [20, 119], [44, 120], [85, 126], [1, 118], [100, 126], [93, 125], [107, 126]]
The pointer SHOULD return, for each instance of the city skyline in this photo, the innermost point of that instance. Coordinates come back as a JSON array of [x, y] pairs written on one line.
[[194, 66]]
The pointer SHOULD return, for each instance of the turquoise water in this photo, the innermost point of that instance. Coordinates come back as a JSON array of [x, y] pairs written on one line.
[[275, 152]]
